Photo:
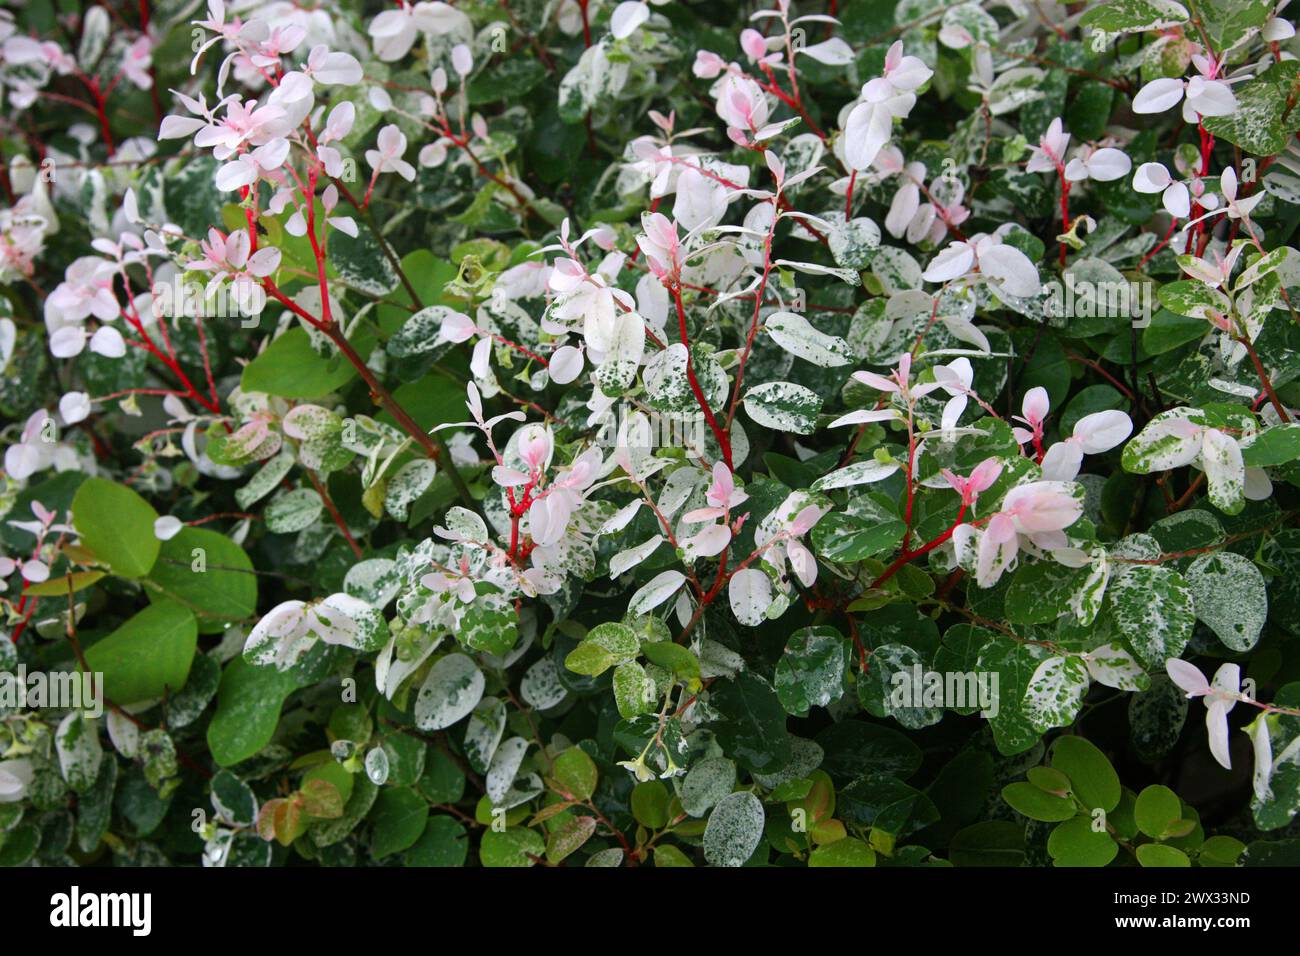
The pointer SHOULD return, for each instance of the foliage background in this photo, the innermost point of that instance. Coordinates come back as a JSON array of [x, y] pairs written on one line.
[[791, 752]]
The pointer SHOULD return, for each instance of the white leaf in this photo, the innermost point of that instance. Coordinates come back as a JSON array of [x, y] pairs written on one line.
[[750, 593], [659, 589]]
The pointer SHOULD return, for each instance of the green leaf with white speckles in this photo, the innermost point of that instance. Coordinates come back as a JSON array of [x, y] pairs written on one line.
[[1152, 606], [293, 511], [734, 830], [1230, 597], [1056, 692], [77, 743], [1134, 16], [451, 691], [784, 406], [799, 337], [361, 262], [810, 672], [411, 480]]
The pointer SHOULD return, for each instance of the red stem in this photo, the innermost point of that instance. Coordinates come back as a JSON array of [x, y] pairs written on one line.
[[926, 548], [723, 442]]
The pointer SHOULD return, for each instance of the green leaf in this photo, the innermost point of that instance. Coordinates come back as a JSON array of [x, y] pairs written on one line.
[[668, 855], [1076, 843], [399, 817], [1168, 330], [290, 368], [1158, 808], [752, 726], [990, 843], [843, 853], [1159, 855], [1275, 445], [1220, 851], [514, 846], [1039, 593], [443, 781], [19, 845], [1156, 718], [680, 661], [444, 843], [569, 838], [248, 710], [510, 79], [148, 655], [1092, 778], [209, 574], [605, 646], [95, 806], [576, 773], [1029, 801], [117, 525], [406, 756], [650, 804], [60, 586]]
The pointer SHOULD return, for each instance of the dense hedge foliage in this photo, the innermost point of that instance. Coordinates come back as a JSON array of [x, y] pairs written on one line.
[[568, 432]]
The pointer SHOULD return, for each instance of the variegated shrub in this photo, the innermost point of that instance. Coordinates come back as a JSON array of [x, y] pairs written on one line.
[[579, 432]]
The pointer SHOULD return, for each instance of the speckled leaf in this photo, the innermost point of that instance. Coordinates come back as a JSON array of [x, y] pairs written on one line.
[[77, 743], [1230, 597], [293, 511], [411, 480], [734, 829], [854, 243], [799, 337], [1153, 607], [810, 672], [784, 406], [451, 690], [1056, 693], [706, 784], [361, 262], [541, 687]]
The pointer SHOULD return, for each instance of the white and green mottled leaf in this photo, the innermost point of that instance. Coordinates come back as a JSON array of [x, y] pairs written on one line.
[[451, 691], [293, 511], [411, 480], [1055, 693], [1153, 607], [79, 751], [1230, 596], [734, 829], [784, 406], [797, 336]]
